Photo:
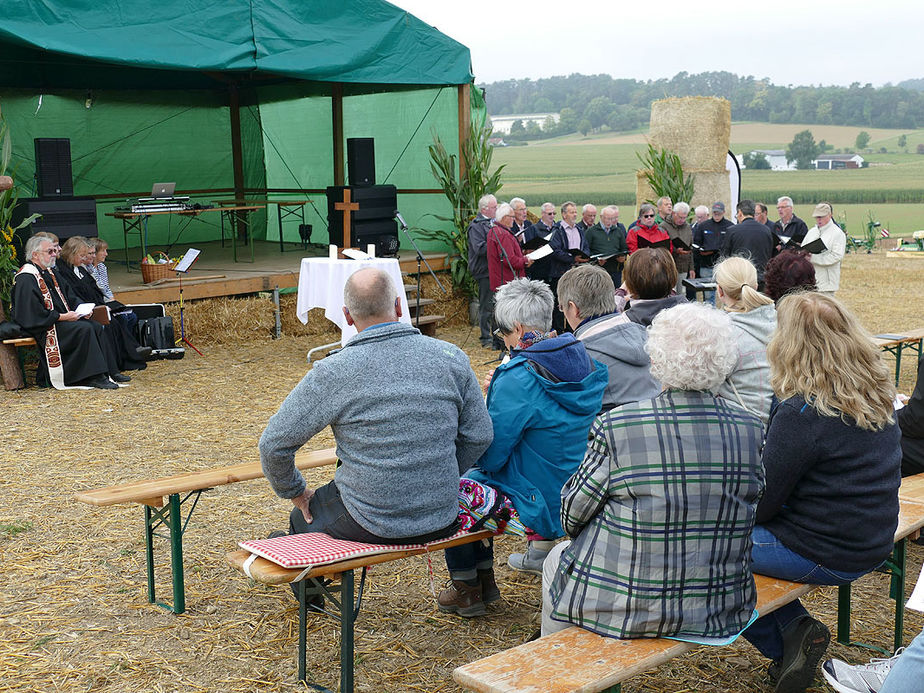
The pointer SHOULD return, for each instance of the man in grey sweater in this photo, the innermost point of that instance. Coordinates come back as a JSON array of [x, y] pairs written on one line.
[[408, 417], [586, 297]]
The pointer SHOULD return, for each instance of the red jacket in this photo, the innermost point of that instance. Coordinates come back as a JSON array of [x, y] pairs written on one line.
[[500, 243], [649, 233]]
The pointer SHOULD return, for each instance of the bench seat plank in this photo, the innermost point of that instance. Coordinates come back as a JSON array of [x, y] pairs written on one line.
[[20, 341], [583, 661], [271, 573], [148, 492]]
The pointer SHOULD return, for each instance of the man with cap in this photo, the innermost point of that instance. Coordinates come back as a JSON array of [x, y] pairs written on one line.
[[708, 238], [827, 244]]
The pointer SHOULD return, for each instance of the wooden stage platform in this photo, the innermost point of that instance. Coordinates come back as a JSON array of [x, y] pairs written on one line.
[[270, 269]]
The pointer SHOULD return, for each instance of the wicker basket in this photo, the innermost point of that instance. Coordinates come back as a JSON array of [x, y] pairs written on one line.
[[151, 273]]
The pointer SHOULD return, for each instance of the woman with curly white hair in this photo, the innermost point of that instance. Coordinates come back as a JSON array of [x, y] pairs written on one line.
[[661, 510]]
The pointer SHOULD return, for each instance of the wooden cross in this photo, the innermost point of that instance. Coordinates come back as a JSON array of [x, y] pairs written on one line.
[[347, 207]]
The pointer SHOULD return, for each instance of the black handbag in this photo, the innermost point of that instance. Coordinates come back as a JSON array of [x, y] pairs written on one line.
[[11, 330]]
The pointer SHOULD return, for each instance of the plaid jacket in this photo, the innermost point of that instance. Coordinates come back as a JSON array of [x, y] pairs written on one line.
[[660, 513]]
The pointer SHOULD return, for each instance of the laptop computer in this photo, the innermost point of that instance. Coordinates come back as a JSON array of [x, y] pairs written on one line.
[[162, 190]]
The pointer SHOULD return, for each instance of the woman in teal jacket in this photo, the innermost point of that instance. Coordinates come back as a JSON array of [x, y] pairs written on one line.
[[542, 403]]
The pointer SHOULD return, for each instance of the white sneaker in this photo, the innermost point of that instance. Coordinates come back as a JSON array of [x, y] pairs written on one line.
[[859, 678]]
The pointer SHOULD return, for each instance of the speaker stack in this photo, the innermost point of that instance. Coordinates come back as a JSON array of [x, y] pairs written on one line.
[[62, 214], [374, 221]]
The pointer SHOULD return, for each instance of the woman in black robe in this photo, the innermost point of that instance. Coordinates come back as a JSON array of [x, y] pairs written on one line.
[[70, 269]]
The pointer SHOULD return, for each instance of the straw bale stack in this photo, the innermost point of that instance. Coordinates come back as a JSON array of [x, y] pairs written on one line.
[[696, 128], [709, 187], [643, 190]]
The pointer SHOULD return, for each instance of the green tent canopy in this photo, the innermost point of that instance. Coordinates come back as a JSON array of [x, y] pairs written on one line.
[[239, 98]]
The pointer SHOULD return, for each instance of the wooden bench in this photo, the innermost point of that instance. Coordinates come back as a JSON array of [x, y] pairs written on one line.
[[267, 572], [151, 494], [895, 344], [575, 660], [20, 342]]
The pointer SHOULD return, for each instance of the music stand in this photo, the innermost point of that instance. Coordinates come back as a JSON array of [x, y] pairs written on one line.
[[189, 257]]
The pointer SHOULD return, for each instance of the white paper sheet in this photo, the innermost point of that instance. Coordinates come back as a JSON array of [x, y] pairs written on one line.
[[84, 309], [355, 254], [916, 600], [540, 253]]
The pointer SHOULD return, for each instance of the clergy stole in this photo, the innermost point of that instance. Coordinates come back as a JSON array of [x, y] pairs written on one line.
[[52, 352]]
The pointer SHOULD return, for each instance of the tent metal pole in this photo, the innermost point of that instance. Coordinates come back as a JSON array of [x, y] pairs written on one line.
[[237, 155]]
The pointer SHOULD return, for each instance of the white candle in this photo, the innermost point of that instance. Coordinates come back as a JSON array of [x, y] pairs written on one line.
[[370, 250], [332, 252]]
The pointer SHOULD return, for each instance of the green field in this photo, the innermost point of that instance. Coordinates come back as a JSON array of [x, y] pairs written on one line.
[[601, 169]]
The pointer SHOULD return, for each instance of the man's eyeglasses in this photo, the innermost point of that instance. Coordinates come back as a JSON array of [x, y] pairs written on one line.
[[648, 216]]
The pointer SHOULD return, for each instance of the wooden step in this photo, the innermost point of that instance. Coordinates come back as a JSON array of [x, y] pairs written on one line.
[[428, 323], [410, 289], [412, 304]]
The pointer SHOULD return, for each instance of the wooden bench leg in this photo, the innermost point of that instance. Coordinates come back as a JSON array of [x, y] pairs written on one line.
[[172, 519]]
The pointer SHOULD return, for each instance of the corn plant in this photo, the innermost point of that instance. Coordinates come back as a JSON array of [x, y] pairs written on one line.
[[463, 192], [664, 174]]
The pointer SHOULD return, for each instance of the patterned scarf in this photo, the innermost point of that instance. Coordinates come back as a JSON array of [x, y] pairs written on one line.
[[530, 338], [51, 350]]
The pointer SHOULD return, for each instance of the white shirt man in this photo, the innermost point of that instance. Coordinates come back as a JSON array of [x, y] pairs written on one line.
[[827, 262]]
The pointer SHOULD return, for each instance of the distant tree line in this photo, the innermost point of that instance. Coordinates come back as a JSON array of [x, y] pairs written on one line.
[[589, 103]]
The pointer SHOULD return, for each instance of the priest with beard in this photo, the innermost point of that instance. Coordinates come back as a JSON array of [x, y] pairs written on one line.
[[78, 280], [72, 347]]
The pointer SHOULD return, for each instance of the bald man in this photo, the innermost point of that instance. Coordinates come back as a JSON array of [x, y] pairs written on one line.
[[407, 414]]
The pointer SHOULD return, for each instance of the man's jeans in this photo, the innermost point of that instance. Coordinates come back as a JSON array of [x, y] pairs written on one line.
[[329, 515], [770, 557]]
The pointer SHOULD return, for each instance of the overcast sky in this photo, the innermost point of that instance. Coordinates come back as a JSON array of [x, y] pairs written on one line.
[[791, 42]]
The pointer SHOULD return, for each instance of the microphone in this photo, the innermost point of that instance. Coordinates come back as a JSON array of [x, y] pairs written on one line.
[[397, 215]]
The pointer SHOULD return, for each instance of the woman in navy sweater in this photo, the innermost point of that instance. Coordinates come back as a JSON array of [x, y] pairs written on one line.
[[832, 459]]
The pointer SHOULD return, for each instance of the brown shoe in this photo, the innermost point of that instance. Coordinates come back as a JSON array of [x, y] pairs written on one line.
[[489, 591], [464, 600]]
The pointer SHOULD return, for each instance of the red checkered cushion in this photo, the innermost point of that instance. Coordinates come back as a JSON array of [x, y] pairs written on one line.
[[315, 548]]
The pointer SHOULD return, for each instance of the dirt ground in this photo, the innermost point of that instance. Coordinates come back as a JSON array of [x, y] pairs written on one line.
[[74, 614]]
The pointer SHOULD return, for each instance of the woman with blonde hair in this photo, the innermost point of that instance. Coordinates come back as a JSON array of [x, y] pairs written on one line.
[[832, 460], [753, 316]]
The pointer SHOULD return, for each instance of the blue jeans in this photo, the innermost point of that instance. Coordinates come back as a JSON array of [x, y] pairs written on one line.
[[464, 561], [769, 556], [905, 675]]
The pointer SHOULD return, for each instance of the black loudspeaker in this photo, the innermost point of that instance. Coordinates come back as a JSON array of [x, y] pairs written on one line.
[[53, 167], [361, 160], [64, 217], [374, 221]]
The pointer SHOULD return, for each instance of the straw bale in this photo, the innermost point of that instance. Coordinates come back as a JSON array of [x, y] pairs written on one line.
[[710, 187], [696, 128], [643, 191]]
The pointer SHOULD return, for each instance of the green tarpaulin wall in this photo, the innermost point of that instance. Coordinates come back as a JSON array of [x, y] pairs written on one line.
[[146, 100]]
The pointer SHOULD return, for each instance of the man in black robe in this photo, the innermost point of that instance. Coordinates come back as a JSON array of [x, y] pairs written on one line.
[[72, 348]]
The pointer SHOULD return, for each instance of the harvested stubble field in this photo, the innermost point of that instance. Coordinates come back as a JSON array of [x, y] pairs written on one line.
[[73, 608]]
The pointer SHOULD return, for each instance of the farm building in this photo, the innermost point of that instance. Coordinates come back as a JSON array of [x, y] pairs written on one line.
[[829, 162], [775, 157], [503, 123]]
